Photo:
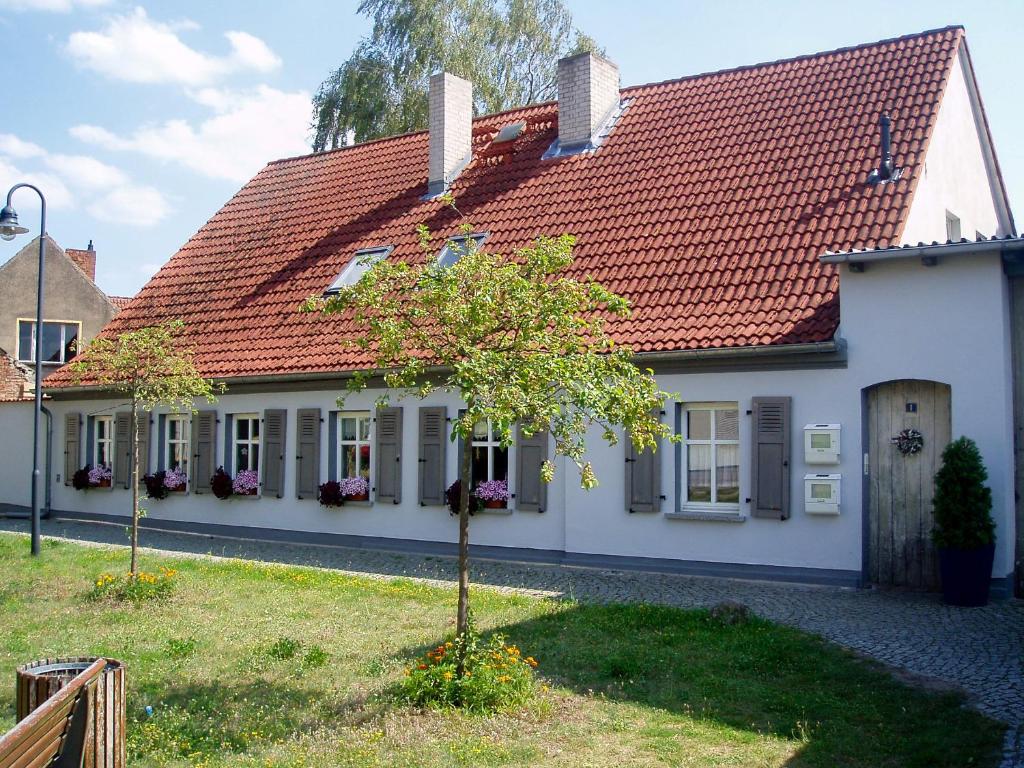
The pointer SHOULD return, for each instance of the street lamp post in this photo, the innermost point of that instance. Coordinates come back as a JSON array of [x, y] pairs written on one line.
[[9, 229]]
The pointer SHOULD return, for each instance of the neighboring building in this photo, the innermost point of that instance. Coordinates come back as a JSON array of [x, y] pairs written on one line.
[[710, 202], [74, 307]]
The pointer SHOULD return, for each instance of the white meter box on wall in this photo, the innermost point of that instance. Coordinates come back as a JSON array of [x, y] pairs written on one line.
[[821, 444], [821, 494]]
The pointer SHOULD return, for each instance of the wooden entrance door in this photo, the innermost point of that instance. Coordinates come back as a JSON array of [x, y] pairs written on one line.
[[900, 487]]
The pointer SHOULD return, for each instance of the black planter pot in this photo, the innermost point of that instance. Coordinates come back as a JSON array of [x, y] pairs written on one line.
[[966, 575]]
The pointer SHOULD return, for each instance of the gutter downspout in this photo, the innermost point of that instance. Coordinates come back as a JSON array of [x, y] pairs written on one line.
[[49, 458]]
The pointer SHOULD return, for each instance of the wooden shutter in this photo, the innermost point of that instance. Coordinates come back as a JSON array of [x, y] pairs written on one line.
[[204, 446], [531, 453], [643, 479], [332, 445], [769, 477], [275, 422], [307, 453], [161, 443], [143, 446], [432, 455], [72, 445], [389, 454], [122, 449]]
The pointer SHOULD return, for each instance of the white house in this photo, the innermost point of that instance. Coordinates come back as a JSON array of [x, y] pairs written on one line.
[[754, 222]]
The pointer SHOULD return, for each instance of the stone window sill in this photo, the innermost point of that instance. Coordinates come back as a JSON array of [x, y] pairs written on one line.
[[706, 516]]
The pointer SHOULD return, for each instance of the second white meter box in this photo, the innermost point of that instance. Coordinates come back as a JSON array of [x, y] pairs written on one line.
[[821, 494], [821, 444]]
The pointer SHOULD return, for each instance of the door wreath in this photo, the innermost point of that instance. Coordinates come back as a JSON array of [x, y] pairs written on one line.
[[909, 441]]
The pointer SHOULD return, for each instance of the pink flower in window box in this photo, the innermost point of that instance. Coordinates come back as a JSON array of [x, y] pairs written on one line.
[[493, 493], [100, 476], [355, 488], [175, 479], [246, 482]]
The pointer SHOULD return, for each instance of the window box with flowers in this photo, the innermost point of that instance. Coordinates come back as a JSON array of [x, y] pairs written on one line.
[[92, 477], [246, 483], [355, 489], [162, 484], [493, 494]]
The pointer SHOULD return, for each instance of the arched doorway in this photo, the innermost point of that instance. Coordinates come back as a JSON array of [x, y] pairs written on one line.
[[900, 485]]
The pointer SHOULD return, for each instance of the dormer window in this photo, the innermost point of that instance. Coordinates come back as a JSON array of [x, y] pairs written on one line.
[[360, 264], [457, 247], [952, 227]]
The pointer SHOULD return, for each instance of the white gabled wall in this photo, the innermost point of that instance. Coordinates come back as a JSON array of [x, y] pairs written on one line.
[[959, 175]]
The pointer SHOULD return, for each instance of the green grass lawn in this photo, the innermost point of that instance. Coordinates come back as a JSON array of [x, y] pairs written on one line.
[[255, 665]]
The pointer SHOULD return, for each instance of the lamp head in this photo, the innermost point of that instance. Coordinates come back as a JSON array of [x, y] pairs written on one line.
[[9, 227]]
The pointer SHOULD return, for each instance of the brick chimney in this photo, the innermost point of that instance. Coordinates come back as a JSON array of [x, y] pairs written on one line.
[[588, 94], [86, 260], [451, 130]]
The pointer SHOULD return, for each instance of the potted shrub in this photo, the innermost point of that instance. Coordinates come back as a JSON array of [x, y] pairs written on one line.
[[964, 532], [493, 494], [80, 480], [246, 483], [100, 476], [221, 484], [330, 494], [355, 489], [452, 496], [155, 486]]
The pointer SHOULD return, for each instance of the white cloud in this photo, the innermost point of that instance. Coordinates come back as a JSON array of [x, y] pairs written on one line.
[[12, 146], [249, 129], [86, 172], [69, 180], [139, 206], [58, 196], [137, 49], [51, 6]]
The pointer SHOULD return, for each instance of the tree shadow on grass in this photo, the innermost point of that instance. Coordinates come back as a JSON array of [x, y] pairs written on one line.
[[227, 716], [755, 677]]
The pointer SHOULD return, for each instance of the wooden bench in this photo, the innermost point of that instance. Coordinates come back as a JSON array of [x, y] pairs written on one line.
[[54, 734]]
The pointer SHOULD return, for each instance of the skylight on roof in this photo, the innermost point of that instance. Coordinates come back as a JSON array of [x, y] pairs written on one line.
[[357, 267], [457, 246]]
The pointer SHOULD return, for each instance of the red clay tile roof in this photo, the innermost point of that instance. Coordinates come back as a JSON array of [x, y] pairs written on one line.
[[120, 301], [707, 206]]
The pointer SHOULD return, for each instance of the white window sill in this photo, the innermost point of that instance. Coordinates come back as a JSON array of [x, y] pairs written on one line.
[[493, 511], [707, 515], [368, 504]]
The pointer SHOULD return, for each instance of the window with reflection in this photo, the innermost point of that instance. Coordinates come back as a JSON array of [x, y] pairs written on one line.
[[490, 459], [711, 456]]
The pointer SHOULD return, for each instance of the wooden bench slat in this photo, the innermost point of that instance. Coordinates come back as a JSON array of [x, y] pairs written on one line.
[[37, 740]]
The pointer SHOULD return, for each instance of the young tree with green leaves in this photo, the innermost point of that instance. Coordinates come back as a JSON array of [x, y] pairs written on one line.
[[508, 50], [151, 367], [518, 338]]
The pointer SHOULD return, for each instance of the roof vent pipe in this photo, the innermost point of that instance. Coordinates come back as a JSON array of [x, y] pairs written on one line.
[[886, 170]]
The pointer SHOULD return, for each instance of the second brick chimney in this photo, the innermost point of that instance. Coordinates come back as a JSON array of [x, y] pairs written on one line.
[[451, 130], [86, 260], [588, 94]]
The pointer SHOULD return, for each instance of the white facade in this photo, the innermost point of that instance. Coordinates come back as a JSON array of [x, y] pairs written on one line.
[[900, 322]]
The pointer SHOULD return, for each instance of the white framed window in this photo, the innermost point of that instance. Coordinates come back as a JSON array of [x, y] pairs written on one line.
[[176, 447], [360, 264], [103, 441], [59, 342], [355, 450], [952, 227], [711, 456], [490, 458], [457, 246], [245, 442]]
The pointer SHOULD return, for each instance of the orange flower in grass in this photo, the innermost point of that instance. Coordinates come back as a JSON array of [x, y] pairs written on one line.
[[422, 666]]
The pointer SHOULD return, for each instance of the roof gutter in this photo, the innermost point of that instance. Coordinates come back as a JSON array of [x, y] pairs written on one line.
[[718, 354], [1003, 247], [741, 353]]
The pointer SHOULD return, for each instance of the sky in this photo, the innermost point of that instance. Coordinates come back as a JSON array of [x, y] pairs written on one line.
[[140, 120]]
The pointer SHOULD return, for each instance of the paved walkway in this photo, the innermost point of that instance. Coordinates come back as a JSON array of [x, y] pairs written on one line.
[[976, 649]]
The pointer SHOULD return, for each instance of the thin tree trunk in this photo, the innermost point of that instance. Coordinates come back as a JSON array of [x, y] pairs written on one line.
[[135, 490], [465, 476]]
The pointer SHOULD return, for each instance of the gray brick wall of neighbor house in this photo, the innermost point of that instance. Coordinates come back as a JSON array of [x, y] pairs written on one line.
[[588, 92], [451, 126], [69, 294]]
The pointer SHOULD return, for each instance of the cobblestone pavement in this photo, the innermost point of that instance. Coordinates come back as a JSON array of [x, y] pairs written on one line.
[[976, 649]]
